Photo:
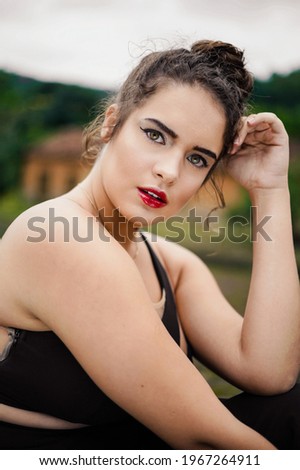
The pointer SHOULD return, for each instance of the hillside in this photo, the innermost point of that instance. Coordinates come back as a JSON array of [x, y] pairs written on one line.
[[30, 110]]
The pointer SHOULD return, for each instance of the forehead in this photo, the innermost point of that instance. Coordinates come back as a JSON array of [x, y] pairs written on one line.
[[190, 111]]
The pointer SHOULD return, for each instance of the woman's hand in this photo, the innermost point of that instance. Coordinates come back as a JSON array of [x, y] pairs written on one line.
[[260, 153]]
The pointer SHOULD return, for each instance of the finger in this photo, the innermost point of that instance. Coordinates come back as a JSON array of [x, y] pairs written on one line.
[[260, 119], [240, 136], [257, 123]]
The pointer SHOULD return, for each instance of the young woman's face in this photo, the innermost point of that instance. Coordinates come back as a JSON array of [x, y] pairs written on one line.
[[160, 157]]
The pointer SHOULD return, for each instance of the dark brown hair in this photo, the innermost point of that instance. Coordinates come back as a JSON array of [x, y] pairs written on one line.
[[214, 65]]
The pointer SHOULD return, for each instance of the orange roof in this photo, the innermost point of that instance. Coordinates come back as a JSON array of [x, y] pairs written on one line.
[[66, 144]]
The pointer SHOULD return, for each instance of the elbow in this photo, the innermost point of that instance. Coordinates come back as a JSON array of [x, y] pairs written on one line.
[[283, 386], [287, 382], [274, 384]]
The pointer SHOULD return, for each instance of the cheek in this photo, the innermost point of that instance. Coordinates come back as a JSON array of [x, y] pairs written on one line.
[[117, 164], [191, 186], [128, 158]]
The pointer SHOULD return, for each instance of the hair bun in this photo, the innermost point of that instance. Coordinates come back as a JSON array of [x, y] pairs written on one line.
[[228, 58]]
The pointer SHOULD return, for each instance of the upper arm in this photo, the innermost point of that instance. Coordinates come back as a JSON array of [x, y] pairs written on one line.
[[92, 296], [257, 354]]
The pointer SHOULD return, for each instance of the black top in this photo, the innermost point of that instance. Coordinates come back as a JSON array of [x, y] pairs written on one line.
[[40, 374]]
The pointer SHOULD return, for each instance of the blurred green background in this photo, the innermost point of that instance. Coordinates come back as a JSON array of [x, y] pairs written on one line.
[[32, 112]]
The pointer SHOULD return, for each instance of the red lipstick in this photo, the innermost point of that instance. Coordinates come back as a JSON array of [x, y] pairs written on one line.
[[153, 197]]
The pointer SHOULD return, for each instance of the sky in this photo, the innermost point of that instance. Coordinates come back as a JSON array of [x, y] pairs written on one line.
[[95, 43]]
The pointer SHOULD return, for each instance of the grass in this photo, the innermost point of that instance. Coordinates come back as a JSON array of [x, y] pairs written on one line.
[[11, 205]]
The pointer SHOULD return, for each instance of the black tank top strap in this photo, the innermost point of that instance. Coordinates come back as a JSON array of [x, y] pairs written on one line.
[[169, 318]]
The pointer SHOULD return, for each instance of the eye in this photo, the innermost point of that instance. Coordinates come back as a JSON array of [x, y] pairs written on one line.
[[154, 135], [197, 160]]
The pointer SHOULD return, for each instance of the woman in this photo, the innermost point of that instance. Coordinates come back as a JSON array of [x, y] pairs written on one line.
[[97, 336]]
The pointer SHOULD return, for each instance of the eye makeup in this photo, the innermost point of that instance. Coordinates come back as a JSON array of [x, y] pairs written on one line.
[[164, 128]]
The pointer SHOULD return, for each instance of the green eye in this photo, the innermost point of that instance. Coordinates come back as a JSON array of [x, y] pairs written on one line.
[[197, 160], [154, 135]]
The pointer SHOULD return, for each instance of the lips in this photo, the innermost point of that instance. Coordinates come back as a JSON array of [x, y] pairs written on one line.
[[153, 197]]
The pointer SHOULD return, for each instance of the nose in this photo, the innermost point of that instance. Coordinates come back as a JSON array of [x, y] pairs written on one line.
[[167, 168]]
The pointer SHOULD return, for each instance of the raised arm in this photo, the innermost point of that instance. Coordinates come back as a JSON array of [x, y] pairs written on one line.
[[271, 328], [92, 296], [261, 353]]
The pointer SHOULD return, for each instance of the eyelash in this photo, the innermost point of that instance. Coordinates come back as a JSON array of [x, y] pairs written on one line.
[[147, 131], [159, 134]]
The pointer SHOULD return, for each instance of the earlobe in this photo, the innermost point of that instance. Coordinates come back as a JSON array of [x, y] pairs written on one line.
[[110, 119], [105, 134]]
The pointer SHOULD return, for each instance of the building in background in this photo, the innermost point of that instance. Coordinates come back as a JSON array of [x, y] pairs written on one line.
[[54, 166]]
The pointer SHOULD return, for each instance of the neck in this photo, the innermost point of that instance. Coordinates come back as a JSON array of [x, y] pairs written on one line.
[[114, 222], [125, 233], [118, 226]]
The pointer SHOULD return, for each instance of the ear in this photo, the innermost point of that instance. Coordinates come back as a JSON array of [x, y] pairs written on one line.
[[109, 122]]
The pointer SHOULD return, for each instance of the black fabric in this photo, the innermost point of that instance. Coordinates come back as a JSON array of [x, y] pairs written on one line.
[[170, 317], [276, 417], [40, 374], [128, 434]]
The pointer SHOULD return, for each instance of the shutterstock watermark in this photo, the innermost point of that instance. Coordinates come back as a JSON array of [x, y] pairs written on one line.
[[236, 229]]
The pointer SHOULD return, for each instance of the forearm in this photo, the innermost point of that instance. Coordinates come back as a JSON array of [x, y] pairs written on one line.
[[271, 330], [224, 431], [244, 439], [215, 427]]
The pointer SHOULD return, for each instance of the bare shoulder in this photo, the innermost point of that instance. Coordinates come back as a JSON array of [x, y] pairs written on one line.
[[43, 228], [55, 247]]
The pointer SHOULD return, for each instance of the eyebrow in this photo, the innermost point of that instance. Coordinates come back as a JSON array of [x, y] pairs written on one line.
[[173, 134], [207, 152], [163, 127]]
